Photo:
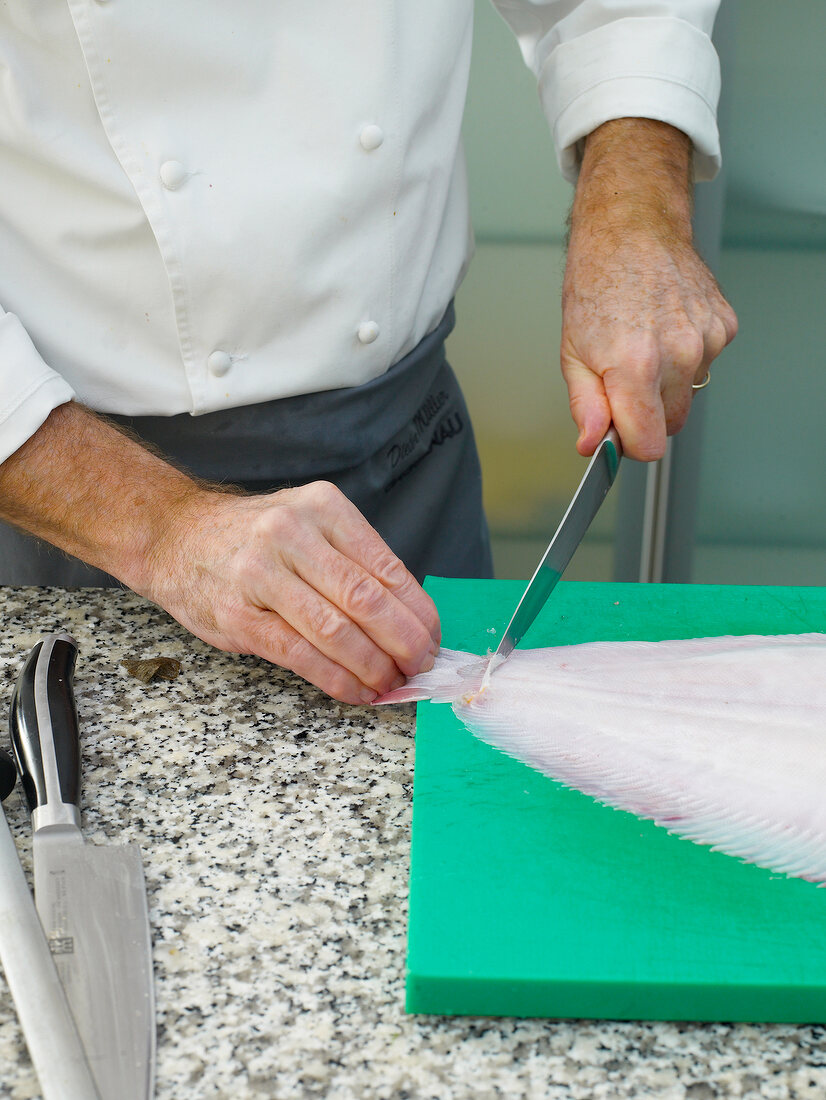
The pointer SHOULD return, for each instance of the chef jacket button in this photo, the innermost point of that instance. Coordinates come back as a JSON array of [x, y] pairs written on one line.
[[172, 174], [371, 137], [219, 363], [368, 331]]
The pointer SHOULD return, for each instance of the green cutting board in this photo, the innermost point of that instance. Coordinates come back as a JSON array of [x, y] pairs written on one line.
[[527, 899]]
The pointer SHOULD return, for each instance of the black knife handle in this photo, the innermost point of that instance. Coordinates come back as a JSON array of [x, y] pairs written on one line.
[[44, 732], [8, 775]]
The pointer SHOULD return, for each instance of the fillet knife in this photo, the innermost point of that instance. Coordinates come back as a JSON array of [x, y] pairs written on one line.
[[91, 898], [56, 1051], [598, 479]]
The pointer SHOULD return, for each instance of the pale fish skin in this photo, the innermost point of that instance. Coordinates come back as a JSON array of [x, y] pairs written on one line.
[[719, 740]]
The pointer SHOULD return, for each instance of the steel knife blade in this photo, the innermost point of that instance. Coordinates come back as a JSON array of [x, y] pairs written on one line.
[[48, 1026], [91, 898], [597, 480]]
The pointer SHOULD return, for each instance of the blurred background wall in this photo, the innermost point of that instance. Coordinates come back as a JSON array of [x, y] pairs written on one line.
[[761, 474]]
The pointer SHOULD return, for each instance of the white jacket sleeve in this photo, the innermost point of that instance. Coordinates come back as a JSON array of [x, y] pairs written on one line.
[[29, 389], [597, 60]]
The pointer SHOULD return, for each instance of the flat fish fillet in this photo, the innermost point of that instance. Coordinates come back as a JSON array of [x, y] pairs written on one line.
[[719, 740]]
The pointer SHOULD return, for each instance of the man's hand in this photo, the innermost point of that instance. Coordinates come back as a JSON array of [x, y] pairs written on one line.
[[297, 577], [301, 578], [642, 316]]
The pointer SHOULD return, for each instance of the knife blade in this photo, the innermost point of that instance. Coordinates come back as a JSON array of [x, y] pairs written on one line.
[[48, 1026], [91, 898], [597, 480]]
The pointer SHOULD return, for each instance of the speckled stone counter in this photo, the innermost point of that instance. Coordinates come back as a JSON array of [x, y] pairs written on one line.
[[274, 825]]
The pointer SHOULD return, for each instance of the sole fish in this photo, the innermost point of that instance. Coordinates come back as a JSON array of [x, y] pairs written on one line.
[[721, 741]]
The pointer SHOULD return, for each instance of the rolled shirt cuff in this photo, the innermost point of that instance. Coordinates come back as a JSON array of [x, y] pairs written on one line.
[[29, 389], [660, 68]]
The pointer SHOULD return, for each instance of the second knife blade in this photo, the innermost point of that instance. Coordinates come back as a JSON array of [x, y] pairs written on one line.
[[91, 898]]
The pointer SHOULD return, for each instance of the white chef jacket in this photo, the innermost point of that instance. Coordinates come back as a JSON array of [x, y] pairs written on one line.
[[207, 204]]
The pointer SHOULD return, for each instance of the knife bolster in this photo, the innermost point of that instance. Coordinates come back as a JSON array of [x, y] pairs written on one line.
[[55, 814]]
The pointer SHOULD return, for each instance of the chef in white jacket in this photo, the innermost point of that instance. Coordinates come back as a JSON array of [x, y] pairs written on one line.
[[235, 231]]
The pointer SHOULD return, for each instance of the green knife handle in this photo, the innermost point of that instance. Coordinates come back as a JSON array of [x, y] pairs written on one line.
[[45, 735]]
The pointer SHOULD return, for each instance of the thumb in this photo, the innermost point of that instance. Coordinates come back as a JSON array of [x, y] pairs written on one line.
[[589, 405]]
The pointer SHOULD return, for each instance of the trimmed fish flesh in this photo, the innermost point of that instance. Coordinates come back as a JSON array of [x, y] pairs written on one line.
[[719, 740]]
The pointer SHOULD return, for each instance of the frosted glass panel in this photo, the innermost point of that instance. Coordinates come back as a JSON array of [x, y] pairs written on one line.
[[763, 476], [762, 516], [516, 191], [774, 148]]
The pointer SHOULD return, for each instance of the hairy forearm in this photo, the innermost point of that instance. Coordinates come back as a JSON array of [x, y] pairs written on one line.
[[297, 576], [93, 491], [635, 169]]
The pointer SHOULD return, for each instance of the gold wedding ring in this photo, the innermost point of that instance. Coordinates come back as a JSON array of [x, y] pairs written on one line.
[[702, 385]]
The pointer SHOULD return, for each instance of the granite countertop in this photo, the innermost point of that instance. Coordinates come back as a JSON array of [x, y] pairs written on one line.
[[274, 825]]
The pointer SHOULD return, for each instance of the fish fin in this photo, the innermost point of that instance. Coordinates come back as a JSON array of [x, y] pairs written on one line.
[[454, 674]]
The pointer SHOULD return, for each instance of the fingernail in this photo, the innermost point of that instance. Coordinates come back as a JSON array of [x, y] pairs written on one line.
[[367, 695], [400, 681], [428, 662]]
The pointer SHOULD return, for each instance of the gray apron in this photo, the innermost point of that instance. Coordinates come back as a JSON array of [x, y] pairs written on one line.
[[400, 447]]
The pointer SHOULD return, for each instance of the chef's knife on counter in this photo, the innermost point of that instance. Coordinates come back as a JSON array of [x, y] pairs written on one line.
[[91, 898], [597, 480], [48, 1026]]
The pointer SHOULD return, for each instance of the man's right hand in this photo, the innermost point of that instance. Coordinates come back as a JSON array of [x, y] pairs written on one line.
[[643, 317], [298, 577]]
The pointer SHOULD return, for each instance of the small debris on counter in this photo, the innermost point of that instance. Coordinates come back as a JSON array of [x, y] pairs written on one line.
[[152, 668]]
